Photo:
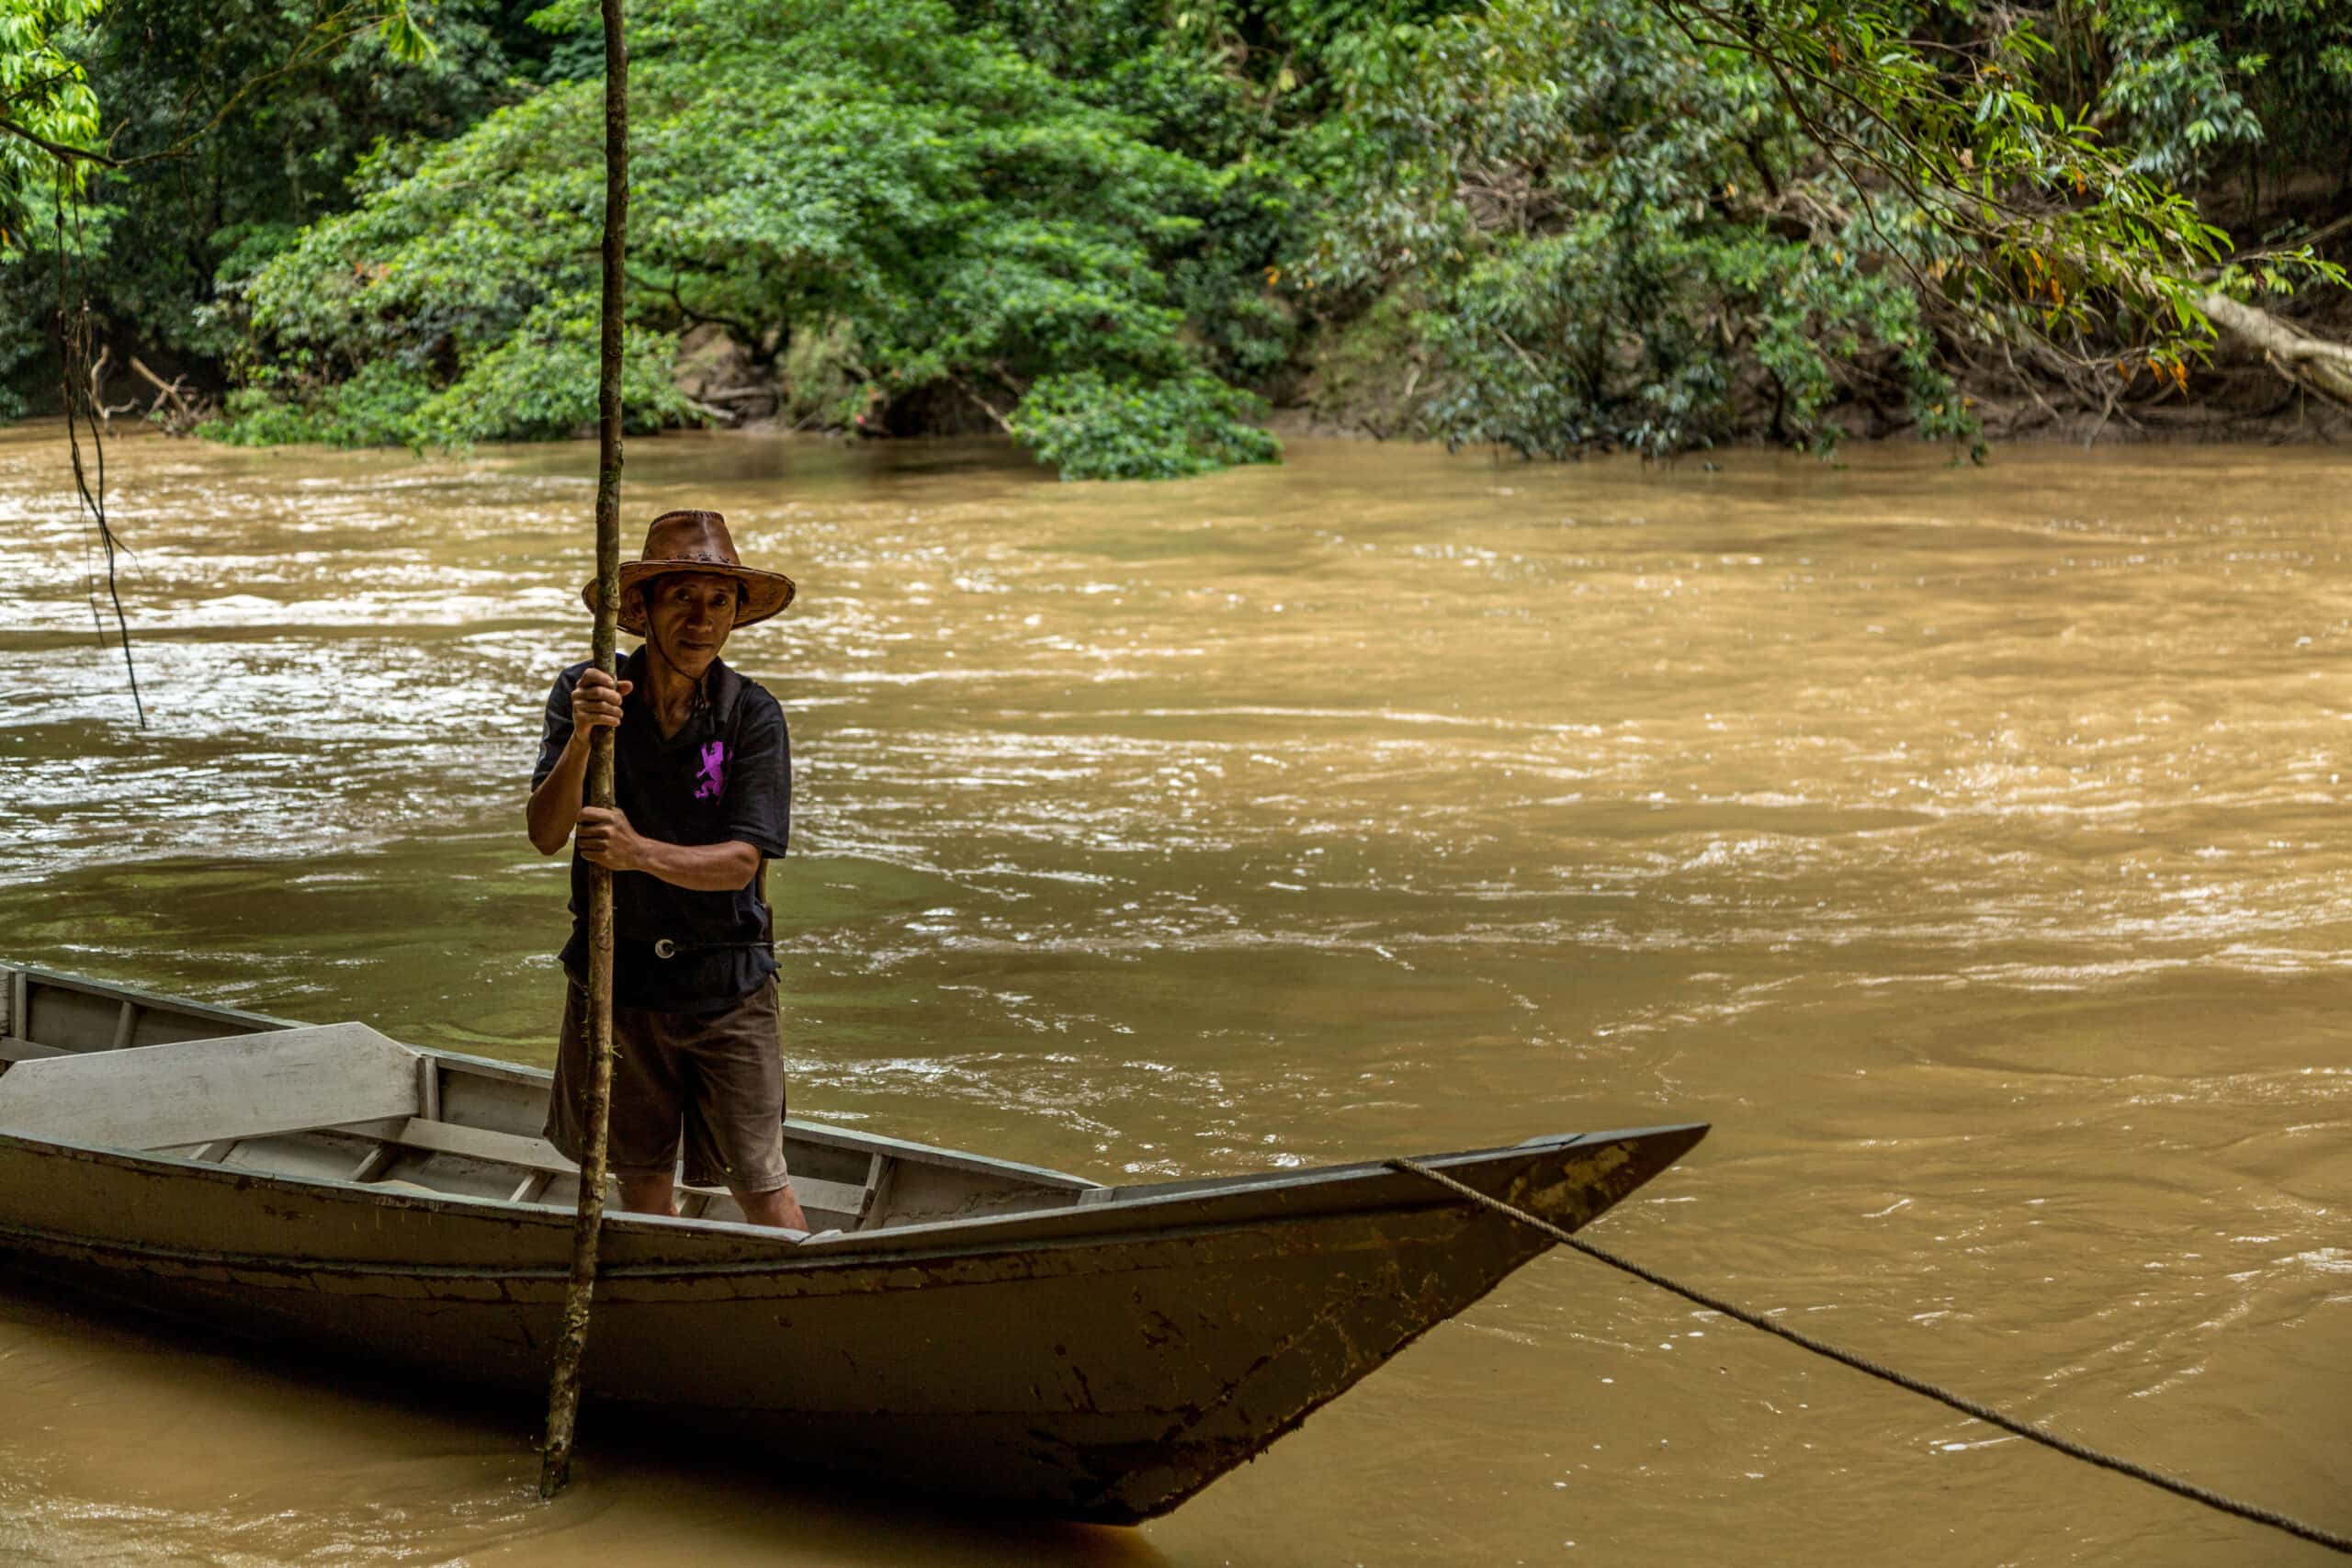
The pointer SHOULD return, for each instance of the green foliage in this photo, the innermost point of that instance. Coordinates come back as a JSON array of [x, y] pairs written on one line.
[[1656, 224], [232, 125], [1594, 237], [319, 93], [1111, 226], [2008, 201], [969, 223], [1093, 429], [377, 407], [2208, 87], [538, 383], [46, 96]]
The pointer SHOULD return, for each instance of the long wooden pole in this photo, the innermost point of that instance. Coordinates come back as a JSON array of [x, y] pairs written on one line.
[[563, 1383]]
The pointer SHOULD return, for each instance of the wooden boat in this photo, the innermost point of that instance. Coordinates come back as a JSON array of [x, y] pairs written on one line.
[[958, 1322]]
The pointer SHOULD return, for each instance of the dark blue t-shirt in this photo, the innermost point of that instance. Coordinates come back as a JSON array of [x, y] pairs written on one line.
[[726, 774]]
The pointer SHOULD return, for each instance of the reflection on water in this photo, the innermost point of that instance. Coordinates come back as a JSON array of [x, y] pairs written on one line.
[[157, 1449], [1961, 843]]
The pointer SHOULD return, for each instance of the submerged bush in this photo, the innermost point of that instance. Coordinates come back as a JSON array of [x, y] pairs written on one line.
[[1094, 429]]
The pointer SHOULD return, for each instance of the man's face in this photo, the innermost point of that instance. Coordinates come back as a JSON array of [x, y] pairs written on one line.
[[687, 618]]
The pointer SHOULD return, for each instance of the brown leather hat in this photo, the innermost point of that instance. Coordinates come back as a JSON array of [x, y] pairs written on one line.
[[693, 541]]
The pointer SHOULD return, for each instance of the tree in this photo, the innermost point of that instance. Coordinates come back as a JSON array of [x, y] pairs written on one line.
[[1659, 223], [929, 216], [1109, 228], [48, 118], [179, 144]]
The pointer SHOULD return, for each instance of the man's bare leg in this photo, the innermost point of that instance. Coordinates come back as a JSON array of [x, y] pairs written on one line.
[[779, 1209], [649, 1192]]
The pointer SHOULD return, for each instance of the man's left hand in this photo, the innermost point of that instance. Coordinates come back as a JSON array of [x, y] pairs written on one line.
[[605, 839]]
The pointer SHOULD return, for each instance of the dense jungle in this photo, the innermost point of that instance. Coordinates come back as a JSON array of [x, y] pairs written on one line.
[[1137, 238]]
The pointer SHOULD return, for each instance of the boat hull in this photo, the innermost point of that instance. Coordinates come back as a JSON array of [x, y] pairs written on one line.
[[1101, 1353], [1101, 1377]]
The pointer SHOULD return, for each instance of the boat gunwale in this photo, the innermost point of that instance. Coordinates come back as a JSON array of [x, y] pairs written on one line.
[[120, 992], [818, 1248], [840, 1248], [820, 1133], [831, 1261]]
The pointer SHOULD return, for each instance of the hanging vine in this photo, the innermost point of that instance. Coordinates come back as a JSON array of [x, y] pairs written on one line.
[[81, 372], [49, 120]]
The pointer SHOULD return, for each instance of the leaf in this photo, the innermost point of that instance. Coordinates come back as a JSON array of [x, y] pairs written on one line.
[[404, 40]]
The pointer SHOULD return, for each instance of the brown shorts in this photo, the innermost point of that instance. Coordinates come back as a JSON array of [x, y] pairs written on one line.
[[714, 1081]]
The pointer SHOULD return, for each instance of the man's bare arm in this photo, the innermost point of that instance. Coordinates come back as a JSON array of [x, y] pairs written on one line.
[[607, 840]]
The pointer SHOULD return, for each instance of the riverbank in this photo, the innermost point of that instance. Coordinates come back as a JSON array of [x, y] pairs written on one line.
[[2255, 409], [2234, 401], [2237, 396]]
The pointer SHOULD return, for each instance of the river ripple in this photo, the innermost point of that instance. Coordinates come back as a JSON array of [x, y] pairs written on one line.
[[1964, 843]]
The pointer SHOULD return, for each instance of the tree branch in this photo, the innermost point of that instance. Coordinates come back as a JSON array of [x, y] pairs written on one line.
[[2313, 363]]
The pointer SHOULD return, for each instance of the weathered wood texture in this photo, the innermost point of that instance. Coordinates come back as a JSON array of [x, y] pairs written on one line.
[[87, 1015], [563, 1378], [194, 1091]]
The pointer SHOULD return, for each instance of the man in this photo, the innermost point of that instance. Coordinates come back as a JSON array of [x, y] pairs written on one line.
[[702, 775]]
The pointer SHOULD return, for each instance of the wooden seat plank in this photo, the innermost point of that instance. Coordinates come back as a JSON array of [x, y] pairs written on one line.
[[481, 1144], [197, 1092]]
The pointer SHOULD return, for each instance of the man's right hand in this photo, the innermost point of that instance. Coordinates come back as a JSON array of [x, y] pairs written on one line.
[[596, 703]]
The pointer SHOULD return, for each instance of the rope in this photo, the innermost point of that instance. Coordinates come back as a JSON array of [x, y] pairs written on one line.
[[1960, 1403]]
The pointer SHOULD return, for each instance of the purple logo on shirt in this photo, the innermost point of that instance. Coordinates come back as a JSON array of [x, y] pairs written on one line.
[[714, 771]]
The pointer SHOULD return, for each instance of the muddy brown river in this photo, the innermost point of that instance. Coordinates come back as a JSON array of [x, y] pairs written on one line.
[[1970, 846]]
